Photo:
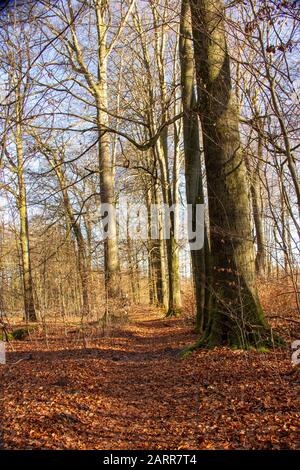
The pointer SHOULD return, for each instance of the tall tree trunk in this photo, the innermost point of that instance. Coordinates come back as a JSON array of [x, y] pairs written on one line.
[[169, 197], [107, 183], [260, 259], [130, 262], [150, 248], [192, 155], [236, 317], [175, 308], [157, 252], [257, 204], [30, 314], [174, 304], [283, 231]]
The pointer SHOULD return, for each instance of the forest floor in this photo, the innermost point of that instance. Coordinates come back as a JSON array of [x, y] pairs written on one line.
[[133, 390]]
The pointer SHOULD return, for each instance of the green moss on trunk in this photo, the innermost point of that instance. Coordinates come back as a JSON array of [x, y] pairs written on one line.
[[235, 316]]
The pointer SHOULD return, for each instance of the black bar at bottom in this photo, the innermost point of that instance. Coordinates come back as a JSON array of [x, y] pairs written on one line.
[[136, 459]]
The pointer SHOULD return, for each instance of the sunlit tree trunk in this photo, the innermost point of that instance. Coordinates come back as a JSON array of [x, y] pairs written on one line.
[[236, 317], [162, 152], [107, 183], [260, 260], [152, 249], [174, 306], [192, 154], [30, 314]]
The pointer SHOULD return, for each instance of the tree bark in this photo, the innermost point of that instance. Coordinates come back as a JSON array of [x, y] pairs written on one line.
[[260, 259], [174, 302], [157, 253], [236, 317], [29, 307], [106, 169], [192, 155], [162, 152]]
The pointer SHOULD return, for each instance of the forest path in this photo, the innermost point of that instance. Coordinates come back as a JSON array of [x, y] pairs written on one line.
[[133, 390], [129, 391]]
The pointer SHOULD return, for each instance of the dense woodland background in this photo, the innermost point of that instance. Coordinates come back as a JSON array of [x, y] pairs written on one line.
[[158, 101]]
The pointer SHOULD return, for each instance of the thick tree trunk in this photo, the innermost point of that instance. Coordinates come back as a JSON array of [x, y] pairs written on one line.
[[236, 317], [192, 155]]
